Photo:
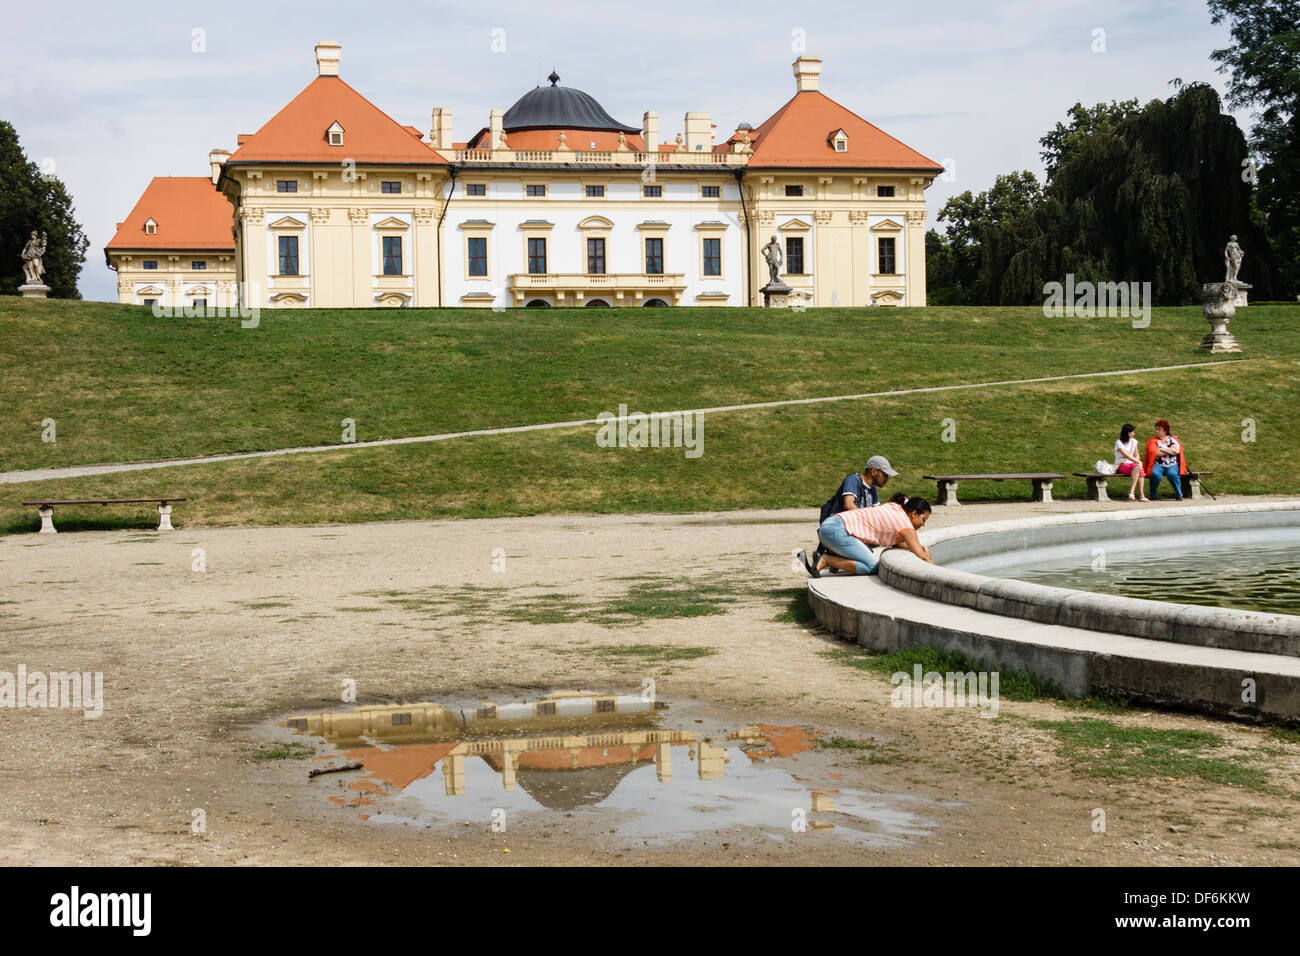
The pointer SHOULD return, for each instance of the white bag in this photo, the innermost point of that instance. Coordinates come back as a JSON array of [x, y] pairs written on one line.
[[1103, 467]]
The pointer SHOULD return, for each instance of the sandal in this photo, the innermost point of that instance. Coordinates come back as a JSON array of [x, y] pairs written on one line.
[[812, 571]]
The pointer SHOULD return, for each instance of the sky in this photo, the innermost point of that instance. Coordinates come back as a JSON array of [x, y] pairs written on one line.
[[108, 95]]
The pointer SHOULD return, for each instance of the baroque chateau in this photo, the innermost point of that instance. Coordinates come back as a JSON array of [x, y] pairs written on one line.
[[334, 204]]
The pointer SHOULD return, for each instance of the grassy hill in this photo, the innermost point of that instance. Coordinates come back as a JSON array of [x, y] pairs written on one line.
[[123, 385]]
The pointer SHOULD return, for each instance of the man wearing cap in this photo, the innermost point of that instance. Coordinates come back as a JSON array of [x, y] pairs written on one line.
[[858, 490]]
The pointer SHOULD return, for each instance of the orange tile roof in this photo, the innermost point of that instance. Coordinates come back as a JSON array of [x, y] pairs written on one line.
[[190, 214], [798, 135], [297, 134]]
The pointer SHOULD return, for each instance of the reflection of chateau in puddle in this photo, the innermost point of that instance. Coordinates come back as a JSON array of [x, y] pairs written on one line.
[[574, 751]]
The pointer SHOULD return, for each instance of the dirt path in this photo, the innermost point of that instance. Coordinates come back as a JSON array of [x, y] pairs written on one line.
[[195, 663]]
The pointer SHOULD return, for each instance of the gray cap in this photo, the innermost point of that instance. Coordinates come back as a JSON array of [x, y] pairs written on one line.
[[879, 463]]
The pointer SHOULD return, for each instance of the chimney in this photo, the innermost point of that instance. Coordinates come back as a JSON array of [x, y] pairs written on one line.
[[807, 71], [699, 132], [440, 131], [494, 130], [216, 158], [650, 131], [327, 58]]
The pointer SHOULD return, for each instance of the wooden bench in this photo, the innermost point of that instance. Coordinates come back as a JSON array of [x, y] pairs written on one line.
[[46, 509], [1191, 481], [948, 484]]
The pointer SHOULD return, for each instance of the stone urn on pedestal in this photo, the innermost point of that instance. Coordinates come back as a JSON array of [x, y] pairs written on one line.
[[1218, 299]]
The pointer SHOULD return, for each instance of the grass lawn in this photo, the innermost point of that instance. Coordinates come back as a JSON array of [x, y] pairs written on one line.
[[122, 385]]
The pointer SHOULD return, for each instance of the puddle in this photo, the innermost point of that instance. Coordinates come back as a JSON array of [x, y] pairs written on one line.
[[641, 769]]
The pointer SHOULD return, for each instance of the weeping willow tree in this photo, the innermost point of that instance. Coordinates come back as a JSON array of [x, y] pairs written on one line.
[[1133, 194]]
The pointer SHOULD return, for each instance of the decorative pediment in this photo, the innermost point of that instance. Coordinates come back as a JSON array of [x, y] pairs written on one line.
[[886, 297], [288, 222], [794, 225], [289, 299], [392, 222], [392, 300], [596, 222], [887, 225], [150, 290], [713, 226]]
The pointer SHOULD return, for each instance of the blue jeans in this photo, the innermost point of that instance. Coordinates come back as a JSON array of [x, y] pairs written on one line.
[[837, 540], [1170, 472]]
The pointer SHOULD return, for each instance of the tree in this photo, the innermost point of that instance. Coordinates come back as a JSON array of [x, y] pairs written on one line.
[[33, 201], [970, 220], [1264, 62], [1134, 194]]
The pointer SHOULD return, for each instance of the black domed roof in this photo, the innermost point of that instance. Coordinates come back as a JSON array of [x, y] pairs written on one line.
[[558, 107]]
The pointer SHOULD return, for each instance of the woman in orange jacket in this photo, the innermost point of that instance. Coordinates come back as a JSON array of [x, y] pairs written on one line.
[[1165, 459]]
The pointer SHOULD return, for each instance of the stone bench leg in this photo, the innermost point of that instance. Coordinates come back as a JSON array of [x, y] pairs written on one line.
[[948, 494], [1097, 489], [165, 518], [1193, 487], [1042, 489], [47, 520]]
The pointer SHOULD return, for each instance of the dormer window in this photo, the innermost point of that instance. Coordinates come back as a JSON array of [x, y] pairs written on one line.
[[150, 227], [335, 134], [839, 141]]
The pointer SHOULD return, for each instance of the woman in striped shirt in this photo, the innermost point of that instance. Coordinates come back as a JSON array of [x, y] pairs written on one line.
[[848, 537]]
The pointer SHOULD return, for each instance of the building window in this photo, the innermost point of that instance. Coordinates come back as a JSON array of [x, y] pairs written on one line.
[[151, 302], [886, 192], [392, 255], [595, 192], [533, 189], [478, 256], [794, 256], [652, 192], [595, 256], [536, 257], [841, 146], [476, 189], [200, 303], [605, 706], [886, 247], [711, 192], [654, 257], [149, 264], [198, 265], [286, 185], [713, 257], [390, 186], [288, 255], [151, 228], [336, 138], [794, 190]]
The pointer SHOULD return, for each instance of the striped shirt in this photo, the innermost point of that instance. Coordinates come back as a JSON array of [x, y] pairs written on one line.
[[883, 525]]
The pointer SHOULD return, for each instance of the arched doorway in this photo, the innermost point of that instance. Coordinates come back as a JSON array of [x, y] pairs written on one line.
[[539, 304], [654, 304], [598, 303]]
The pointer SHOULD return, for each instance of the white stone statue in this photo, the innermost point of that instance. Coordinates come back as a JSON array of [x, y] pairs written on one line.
[[33, 267], [1232, 256], [772, 253]]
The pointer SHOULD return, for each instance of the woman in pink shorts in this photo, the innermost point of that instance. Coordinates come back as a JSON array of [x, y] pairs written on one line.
[[1127, 462]]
